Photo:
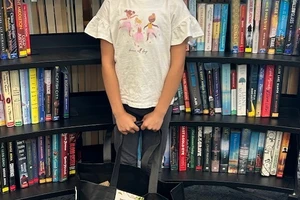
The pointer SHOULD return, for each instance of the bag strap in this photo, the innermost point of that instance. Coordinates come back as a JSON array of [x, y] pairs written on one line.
[[107, 144]]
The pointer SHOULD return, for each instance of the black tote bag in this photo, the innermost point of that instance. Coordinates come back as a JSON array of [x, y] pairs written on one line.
[[126, 178]]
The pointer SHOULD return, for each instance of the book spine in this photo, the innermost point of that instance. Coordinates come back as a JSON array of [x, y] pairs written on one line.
[[11, 29], [201, 19], [210, 88], [66, 89], [242, 28], [244, 151], [20, 22], [241, 89], [256, 31], [268, 153], [48, 160], [249, 26], [41, 159], [56, 93], [217, 88], [226, 93], [216, 27], [22, 163], [234, 149], [41, 94], [4, 169], [48, 95], [283, 154], [235, 26], [282, 26], [209, 26], [35, 163], [267, 91], [216, 150], [277, 87], [2, 106], [175, 106], [193, 84], [273, 27], [33, 88], [203, 86], [260, 88], [24, 83], [186, 93], [183, 148], [72, 154], [192, 5], [199, 156], [29, 162], [55, 157], [191, 147], [276, 151], [252, 151], [264, 26], [223, 28], [207, 148], [3, 30], [260, 152], [9, 114], [11, 166], [16, 98], [224, 156], [64, 157], [290, 32], [252, 91], [296, 45], [233, 91], [26, 28], [180, 97]]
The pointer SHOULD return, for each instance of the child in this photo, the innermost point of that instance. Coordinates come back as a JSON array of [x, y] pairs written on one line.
[[143, 48]]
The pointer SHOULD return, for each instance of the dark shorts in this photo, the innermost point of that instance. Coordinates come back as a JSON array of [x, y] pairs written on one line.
[[130, 143]]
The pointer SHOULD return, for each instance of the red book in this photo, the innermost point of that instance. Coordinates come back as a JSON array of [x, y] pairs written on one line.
[[243, 15], [186, 94], [182, 148], [267, 91], [64, 151]]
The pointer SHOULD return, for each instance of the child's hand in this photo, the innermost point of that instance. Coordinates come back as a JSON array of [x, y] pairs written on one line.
[[125, 123], [152, 121]]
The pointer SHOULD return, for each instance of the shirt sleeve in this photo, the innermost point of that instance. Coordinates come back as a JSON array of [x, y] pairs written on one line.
[[99, 26], [184, 25]]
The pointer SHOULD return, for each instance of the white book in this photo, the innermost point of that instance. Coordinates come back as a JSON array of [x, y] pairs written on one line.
[[8, 106], [201, 7], [209, 26], [16, 97], [241, 90], [268, 153], [276, 153]]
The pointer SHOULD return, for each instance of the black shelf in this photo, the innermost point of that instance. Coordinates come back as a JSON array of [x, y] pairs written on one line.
[[243, 58], [42, 191], [280, 124], [256, 181]]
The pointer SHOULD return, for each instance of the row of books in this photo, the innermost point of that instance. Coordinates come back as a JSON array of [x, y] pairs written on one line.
[[225, 150], [210, 88], [37, 161], [35, 95]]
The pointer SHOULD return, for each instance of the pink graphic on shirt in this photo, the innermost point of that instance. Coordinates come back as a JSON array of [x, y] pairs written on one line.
[[150, 25], [126, 21], [138, 36]]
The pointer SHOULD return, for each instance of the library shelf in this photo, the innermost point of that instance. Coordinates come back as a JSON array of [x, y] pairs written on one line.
[[42, 191], [250, 180], [243, 58], [279, 124]]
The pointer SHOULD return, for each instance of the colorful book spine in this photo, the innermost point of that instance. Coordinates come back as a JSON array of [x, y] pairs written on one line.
[[256, 32], [29, 162], [207, 132], [275, 157], [260, 88], [242, 28], [260, 152], [283, 154], [252, 91], [241, 90], [268, 153], [3, 31], [226, 93], [203, 87], [186, 93], [48, 95], [41, 160], [199, 155], [234, 148], [16, 97], [48, 159], [64, 144], [277, 87], [249, 25], [223, 28], [20, 31], [244, 151], [282, 26], [264, 26], [66, 91], [216, 150], [25, 99], [41, 93], [252, 151], [216, 27], [217, 88], [4, 169], [233, 91], [209, 27], [183, 148], [224, 160], [192, 5], [21, 158], [26, 28], [235, 26], [273, 27], [180, 97], [191, 147], [55, 158], [201, 19], [210, 88], [11, 167], [9, 113], [56, 93], [33, 88], [2, 106], [35, 162], [267, 91], [72, 153]]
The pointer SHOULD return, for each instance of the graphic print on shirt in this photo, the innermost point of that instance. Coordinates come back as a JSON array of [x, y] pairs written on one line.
[[126, 21], [138, 36], [150, 25]]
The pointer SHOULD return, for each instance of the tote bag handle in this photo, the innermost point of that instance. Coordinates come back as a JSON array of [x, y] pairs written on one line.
[[152, 151]]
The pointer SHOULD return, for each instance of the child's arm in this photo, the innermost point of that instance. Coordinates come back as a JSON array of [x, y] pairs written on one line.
[[125, 122]]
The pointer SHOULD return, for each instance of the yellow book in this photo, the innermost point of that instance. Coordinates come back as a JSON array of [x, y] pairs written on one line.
[[16, 97], [8, 106], [33, 88]]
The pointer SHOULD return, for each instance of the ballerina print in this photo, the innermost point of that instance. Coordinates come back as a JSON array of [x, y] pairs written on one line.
[[126, 21], [138, 36], [150, 30]]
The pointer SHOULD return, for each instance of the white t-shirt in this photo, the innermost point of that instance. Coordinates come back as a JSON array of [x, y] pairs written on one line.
[[142, 32]]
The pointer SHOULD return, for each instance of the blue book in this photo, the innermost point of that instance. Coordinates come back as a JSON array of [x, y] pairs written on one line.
[[252, 151], [234, 149], [226, 89]]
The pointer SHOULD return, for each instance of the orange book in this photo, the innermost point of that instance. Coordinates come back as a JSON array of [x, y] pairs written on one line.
[[283, 154]]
